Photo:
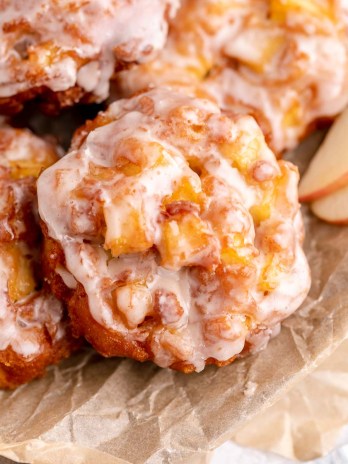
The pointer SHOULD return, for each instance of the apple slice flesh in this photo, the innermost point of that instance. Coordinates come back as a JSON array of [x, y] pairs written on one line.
[[333, 208], [328, 170]]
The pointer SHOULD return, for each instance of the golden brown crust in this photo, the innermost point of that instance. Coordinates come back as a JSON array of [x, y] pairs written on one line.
[[15, 370], [106, 342], [49, 102]]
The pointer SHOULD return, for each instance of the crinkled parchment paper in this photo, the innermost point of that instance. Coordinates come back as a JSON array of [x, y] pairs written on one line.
[[119, 411], [306, 422]]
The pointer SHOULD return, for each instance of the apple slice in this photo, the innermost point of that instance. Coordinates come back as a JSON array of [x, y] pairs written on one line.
[[328, 170], [333, 208]]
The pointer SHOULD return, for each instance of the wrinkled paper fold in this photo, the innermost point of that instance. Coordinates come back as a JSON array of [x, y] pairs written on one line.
[[307, 421], [121, 411]]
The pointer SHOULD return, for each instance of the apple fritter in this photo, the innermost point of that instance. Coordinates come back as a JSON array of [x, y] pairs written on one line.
[[65, 51], [176, 234], [283, 61], [34, 332]]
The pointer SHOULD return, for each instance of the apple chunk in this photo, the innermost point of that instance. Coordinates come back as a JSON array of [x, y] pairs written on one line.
[[333, 208], [328, 170]]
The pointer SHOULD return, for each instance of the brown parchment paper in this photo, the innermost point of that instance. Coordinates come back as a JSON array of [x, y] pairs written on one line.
[[306, 422], [117, 410]]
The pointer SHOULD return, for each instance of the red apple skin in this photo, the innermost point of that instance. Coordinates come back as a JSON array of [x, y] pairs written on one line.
[[338, 184], [339, 223]]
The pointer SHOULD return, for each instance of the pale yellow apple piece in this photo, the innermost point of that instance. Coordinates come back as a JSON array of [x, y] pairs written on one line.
[[20, 279], [333, 208], [185, 241], [126, 230], [255, 48], [321, 9]]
